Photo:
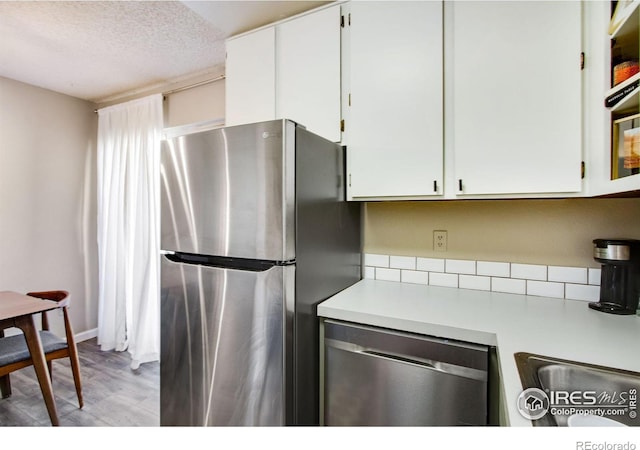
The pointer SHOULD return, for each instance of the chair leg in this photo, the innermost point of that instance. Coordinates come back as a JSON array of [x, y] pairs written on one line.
[[5, 382], [75, 368], [50, 367], [73, 357], [5, 386]]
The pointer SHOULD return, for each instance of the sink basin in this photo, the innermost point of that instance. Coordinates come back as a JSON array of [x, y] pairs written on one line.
[[578, 388]]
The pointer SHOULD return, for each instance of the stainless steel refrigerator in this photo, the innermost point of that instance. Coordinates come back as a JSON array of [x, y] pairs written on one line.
[[255, 233]]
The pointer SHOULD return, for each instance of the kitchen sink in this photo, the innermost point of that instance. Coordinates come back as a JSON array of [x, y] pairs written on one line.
[[575, 388]]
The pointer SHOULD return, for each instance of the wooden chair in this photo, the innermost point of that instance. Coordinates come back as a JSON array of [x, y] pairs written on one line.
[[14, 354]]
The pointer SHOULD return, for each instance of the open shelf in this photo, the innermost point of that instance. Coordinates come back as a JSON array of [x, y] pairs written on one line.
[[628, 105], [626, 20], [628, 100], [623, 100], [625, 40]]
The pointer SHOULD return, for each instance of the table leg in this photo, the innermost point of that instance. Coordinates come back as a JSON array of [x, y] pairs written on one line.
[[27, 325]]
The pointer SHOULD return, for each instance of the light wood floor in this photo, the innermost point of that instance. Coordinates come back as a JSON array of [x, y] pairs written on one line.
[[114, 395]]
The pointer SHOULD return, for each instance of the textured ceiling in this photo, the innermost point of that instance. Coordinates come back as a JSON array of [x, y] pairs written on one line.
[[99, 50]]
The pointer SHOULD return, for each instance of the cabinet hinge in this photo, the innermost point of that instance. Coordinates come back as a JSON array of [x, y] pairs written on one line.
[[349, 18], [582, 61], [349, 180], [342, 125], [349, 99], [341, 21], [582, 169]]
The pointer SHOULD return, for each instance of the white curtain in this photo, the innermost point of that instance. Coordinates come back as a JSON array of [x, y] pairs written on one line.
[[128, 228]]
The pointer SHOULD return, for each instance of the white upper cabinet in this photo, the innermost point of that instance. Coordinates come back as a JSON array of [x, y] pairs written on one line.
[[515, 115], [290, 70], [250, 94], [393, 99], [308, 72], [454, 99]]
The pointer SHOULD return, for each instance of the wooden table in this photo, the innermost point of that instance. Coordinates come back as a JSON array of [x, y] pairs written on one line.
[[17, 310]]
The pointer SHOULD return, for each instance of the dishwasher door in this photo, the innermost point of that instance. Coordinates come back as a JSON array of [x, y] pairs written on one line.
[[380, 377]]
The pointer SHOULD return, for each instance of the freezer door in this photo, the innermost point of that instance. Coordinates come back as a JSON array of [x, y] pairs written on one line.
[[225, 337], [230, 192]]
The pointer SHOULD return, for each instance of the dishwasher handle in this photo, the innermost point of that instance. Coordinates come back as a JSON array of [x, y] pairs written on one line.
[[439, 366], [398, 357]]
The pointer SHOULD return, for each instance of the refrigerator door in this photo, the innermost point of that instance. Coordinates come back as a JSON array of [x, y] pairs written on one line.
[[226, 345], [230, 192]]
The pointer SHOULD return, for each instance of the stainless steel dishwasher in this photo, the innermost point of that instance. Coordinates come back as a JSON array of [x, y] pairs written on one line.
[[380, 377]]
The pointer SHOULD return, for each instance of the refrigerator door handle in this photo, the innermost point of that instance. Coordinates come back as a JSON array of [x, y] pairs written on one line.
[[224, 262]]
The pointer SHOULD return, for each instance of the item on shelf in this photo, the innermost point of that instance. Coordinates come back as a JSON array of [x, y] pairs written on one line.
[[626, 147], [624, 71], [631, 146]]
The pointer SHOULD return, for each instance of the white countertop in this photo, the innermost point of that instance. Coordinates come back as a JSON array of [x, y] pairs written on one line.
[[565, 329]]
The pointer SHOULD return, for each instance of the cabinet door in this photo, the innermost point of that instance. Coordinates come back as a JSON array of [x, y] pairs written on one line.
[[516, 105], [250, 78], [308, 72], [394, 129]]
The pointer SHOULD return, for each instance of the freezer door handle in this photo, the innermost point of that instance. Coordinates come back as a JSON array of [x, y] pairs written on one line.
[[224, 262]]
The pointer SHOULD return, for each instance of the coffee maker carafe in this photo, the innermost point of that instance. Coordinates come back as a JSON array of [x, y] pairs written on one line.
[[620, 279]]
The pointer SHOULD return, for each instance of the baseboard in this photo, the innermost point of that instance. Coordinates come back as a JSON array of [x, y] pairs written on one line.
[[86, 335]]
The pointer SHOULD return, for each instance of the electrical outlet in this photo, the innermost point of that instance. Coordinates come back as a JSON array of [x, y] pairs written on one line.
[[440, 240]]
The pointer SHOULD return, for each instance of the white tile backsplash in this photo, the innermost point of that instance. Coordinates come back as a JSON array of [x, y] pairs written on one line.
[[567, 274], [373, 259], [443, 279], [387, 274], [545, 289], [493, 269], [509, 285], [414, 276], [430, 264], [474, 282], [594, 276], [460, 266], [574, 283], [402, 262], [582, 292], [529, 272], [369, 273]]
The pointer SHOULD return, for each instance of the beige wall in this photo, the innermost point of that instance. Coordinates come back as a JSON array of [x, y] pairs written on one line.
[[556, 232], [47, 197], [194, 105]]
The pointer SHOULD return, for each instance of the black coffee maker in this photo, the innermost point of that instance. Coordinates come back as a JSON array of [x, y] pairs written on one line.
[[620, 279]]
